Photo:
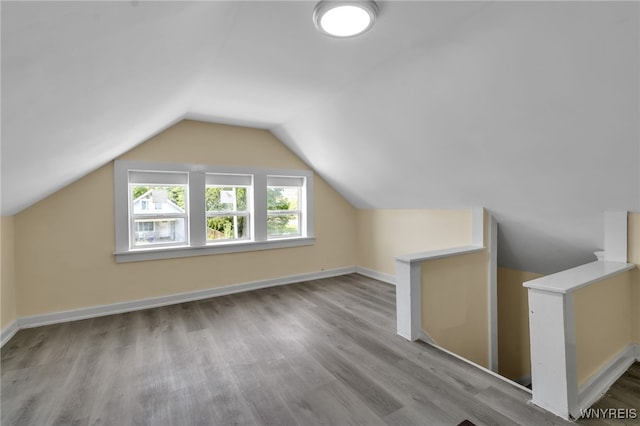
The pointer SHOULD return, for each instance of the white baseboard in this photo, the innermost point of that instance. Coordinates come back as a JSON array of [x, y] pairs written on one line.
[[8, 332], [135, 305], [428, 339], [600, 382], [380, 276]]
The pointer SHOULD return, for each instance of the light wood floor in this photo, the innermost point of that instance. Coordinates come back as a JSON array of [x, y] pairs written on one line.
[[319, 352], [624, 394]]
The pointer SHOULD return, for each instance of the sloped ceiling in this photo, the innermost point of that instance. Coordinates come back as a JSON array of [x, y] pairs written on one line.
[[530, 109]]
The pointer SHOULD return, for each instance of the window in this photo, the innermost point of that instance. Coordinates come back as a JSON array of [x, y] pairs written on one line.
[[284, 199], [166, 225], [166, 210], [227, 207]]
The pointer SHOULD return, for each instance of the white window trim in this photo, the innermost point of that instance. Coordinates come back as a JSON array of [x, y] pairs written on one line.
[[198, 245]]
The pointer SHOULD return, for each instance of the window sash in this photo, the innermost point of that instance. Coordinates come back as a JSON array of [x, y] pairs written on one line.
[[150, 214], [287, 183], [134, 232]]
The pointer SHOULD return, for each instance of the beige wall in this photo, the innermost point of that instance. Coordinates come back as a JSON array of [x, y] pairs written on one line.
[[455, 297], [603, 323], [513, 323], [454, 304], [7, 273], [64, 253], [384, 234], [633, 256]]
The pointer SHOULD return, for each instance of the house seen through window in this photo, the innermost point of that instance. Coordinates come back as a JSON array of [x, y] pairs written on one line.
[[166, 223]]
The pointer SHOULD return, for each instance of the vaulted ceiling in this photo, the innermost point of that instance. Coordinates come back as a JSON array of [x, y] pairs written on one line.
[[530, 109]]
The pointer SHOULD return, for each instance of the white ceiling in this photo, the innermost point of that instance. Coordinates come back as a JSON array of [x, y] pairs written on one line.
[[530, 109]]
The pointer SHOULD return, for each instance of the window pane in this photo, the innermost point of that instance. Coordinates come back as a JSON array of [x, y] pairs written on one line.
[[158, 199], [159, 231], [283, 198], [283, 225], [225, 199], [226, 228]]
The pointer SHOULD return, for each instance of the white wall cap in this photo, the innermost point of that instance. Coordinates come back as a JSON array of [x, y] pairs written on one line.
[[572, 279]]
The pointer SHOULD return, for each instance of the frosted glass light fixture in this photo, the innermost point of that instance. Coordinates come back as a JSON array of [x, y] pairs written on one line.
[[344, 18]]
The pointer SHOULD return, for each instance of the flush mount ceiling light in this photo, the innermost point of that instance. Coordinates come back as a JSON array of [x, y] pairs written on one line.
[[344, 18]]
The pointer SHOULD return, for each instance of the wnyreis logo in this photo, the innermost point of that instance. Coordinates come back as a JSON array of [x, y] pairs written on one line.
[[609, 413]]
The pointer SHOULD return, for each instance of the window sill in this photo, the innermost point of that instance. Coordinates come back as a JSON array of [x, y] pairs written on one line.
[[138, 255]]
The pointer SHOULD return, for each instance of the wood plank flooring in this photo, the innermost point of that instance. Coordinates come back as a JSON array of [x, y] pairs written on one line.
[[321, 352], [625, 395]]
